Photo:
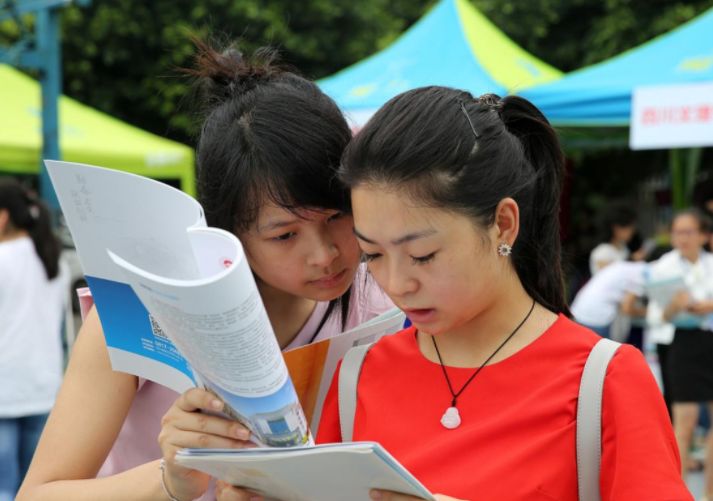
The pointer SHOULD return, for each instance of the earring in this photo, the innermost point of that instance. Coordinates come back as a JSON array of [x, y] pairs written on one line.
[[504, 249]]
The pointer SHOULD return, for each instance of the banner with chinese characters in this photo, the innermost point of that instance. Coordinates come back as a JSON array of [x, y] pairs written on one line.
[[672, 116]]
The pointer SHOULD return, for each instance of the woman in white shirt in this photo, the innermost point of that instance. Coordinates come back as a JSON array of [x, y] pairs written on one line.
[[690, 356], [33, 290]]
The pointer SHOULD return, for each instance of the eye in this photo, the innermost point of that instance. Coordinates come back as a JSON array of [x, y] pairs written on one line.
[[370, 257], [423, 259], [284, 237], [336, 216]]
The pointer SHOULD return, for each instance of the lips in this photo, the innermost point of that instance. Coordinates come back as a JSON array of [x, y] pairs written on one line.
[[420, 315], [330, 281]]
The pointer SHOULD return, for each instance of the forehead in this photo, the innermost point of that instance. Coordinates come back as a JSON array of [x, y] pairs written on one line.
[[271, 214], [385, 214], [685, 221]]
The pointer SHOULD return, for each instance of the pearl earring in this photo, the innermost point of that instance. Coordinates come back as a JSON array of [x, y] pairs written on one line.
[[504, 249]]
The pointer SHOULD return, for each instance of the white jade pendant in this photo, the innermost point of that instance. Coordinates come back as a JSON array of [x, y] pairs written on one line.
[[451, 418]]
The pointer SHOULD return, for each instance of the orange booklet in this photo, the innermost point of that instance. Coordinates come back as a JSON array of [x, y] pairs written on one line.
[[311, 367]]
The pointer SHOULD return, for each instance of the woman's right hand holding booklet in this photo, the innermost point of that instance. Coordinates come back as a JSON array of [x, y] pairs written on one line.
[[191, 423]]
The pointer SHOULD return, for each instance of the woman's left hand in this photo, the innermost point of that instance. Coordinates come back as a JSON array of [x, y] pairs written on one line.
[[227, 492], [378, 495]]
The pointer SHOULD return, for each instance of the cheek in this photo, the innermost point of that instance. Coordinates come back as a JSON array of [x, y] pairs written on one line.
[[342, 233]]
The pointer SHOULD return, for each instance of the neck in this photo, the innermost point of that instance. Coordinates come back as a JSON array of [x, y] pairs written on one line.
[[287, 313], [13, 234], [470, 344]]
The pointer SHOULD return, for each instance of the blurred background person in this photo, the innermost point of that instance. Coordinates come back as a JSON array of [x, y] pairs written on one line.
[[680, 318], [597, 304], [618, 229], [33, 291]]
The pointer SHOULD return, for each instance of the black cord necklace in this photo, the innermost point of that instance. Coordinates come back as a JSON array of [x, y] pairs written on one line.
[[451, 418]]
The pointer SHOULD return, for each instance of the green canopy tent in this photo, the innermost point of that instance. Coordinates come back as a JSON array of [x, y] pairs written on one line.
[[86, 136]]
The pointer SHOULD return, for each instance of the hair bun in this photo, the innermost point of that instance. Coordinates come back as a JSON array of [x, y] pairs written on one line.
[[224, 73]]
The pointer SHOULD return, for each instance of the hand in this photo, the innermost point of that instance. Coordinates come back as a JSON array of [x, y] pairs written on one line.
[[701, 307], [679, 303], [184, 425], [379, 495], [227, 492]]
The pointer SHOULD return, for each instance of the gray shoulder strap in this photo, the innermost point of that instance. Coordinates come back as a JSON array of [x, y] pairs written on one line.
[[589, 419], [347, 388]]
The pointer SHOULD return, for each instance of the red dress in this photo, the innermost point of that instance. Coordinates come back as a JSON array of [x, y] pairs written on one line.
[[517, 437]]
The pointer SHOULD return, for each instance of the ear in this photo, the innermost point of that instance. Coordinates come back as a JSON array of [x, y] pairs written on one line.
[[507, 221]]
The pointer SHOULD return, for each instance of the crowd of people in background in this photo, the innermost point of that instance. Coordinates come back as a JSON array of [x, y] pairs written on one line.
[[660, 299]]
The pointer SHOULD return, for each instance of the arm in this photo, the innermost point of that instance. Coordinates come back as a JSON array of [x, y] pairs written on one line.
[[86, 419], [630, 306]]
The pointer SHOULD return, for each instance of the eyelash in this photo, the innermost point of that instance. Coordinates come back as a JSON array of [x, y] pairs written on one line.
[[420, 260], [284, 237]]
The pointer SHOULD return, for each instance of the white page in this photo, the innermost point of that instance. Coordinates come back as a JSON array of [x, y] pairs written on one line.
[[323, 473]]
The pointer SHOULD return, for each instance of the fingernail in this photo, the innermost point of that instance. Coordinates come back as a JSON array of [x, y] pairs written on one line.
[[255, 498], [242, 434], [375, 495], [216, 404]]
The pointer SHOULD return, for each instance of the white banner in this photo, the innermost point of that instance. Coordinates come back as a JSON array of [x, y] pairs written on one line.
[[672, 116]]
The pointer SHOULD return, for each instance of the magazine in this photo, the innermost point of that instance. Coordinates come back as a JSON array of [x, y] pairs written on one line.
[[179, 305], [345, 471]]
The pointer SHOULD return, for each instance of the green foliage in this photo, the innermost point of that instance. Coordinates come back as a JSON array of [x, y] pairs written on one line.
[[122, 56]]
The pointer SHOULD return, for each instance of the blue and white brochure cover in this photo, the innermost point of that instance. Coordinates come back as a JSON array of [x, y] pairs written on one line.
[[145, 247]]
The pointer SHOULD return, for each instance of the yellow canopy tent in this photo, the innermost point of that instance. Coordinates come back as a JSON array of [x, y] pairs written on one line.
[[86, 135]]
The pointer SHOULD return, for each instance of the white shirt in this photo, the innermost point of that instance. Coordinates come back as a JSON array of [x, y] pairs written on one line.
[[606, 253], [698, 280], [597, 303], [31, 312]]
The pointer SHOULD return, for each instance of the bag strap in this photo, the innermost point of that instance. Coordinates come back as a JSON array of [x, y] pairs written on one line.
[[347, 388], [589, 419]]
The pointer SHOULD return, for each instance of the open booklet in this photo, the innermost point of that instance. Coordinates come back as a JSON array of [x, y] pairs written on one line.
[[178, 302], [327, 472]]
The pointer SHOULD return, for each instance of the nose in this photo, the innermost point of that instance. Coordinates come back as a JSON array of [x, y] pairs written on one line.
[[397, 282], [323, 252]]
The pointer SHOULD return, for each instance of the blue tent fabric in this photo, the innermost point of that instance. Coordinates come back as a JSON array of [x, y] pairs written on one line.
[[431, 52], [600, 95]]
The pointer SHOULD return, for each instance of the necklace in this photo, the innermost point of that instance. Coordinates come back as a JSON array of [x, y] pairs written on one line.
[[451, 418]]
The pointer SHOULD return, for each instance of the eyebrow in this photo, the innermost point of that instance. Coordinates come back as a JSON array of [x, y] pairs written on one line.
[[406, 238], [273, 225]]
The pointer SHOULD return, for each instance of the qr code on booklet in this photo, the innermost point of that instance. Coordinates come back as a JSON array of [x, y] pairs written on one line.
[[156, 328]]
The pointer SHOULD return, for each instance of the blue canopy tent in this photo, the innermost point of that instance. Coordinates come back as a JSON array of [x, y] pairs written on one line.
[[452, 45], [600, 95]]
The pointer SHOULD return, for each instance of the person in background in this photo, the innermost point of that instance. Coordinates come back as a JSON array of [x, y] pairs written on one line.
[[267, 158], [682, 321], [598, 303], [619, 228], [34, 288]]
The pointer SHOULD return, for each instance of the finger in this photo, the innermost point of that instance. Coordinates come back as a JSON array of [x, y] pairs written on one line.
[[379, 495], [205, 423], [227, 492], [180, 439], [199, 399]]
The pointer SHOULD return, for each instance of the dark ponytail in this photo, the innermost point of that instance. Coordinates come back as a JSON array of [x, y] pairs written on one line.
[[539, 267], [27, 213], [448, 149]]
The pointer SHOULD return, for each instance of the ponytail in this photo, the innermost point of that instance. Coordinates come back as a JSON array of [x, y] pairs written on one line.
[[539, 264], [28, 213]]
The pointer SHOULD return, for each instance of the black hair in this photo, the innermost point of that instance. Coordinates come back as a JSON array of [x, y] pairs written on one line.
[[618, 213], [448, 149], [28, 213], [268, 135]]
